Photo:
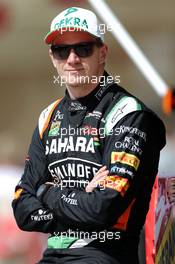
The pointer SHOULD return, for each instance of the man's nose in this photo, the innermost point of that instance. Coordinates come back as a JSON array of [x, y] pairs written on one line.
[[73, 57]]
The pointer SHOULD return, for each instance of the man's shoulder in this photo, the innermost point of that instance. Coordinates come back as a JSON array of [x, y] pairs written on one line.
[[125, 104], [45, 116], [122, 99]]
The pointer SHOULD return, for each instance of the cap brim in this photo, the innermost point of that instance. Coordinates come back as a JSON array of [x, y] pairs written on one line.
[[52, 35]]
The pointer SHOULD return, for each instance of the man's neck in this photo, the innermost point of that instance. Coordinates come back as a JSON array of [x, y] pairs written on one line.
[[79, 91]]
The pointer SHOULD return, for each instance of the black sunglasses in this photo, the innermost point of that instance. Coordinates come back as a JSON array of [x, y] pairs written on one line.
[[82, 49]]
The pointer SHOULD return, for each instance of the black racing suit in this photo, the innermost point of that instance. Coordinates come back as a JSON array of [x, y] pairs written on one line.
[[73, 139]]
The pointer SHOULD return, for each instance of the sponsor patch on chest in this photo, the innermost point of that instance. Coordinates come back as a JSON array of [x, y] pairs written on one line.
[[79, 144]]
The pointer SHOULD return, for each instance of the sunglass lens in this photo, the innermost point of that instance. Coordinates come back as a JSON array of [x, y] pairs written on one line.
[[61, 52], [84, 50]]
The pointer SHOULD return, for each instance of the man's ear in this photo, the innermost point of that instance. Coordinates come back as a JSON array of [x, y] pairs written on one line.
[[103, 54], [52, 58]]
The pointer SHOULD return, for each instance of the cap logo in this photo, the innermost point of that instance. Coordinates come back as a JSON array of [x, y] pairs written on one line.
[[71, 22], [74, 19], [71, 10]]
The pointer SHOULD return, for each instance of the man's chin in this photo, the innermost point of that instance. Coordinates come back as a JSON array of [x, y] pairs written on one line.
[[74, 84], [77, 81]]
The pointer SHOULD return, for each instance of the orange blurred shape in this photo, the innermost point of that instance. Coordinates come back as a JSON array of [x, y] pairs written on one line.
[[169, 101]]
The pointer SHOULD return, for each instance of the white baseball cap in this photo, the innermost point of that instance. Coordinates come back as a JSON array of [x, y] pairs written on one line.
[[74, 19]]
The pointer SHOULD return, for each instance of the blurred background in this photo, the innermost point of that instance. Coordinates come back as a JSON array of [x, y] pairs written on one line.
[[27, 83]]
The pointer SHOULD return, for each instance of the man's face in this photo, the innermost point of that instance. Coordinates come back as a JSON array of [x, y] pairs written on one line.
[[74, 67]]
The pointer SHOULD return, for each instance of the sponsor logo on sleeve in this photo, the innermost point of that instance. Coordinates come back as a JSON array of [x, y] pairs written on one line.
[[121, 170], [125, 158], [69, 199], [130, 130], [117, 183], [129, 143], [42, 216]]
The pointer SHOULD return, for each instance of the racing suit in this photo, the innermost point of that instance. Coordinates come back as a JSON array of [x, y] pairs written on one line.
[[73, 139]]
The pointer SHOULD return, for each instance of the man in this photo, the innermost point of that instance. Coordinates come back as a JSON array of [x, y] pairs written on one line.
[[93, 158]]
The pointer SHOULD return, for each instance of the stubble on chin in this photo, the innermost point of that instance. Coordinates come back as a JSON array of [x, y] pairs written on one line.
[[76, 80]]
